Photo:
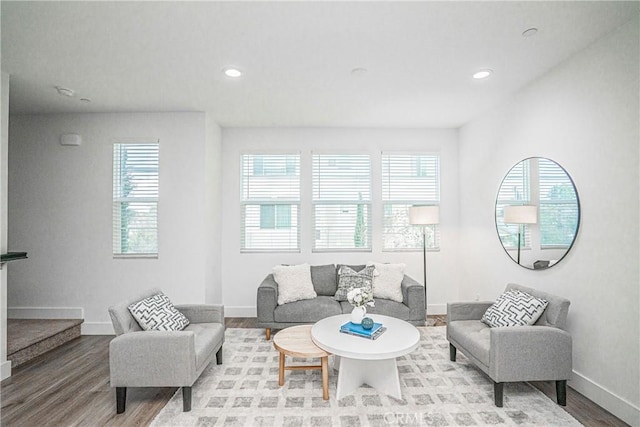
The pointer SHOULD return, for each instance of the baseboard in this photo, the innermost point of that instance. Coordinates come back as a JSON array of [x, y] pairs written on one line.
[[240, 311], [45, 313], [618, 406], [5, 370], [97, 328]]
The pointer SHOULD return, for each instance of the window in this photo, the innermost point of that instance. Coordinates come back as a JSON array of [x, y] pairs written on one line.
[[275, 216], [407, 180], [270, 201], [515, 190], [341, 202], [135, 199], [558, 206]]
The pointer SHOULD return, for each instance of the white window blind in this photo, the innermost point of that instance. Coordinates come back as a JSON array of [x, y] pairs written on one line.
[[515, 190], [270, 202], [135, 199], [558, 206], [407, 180], [341, 202]]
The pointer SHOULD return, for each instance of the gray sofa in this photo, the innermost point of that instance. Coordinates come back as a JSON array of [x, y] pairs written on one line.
[[325, 282], [140, 358], [541, 352]]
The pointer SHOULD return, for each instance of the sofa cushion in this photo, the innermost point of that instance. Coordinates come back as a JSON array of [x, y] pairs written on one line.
[[157, 313], [388, 280], [294, 283], [349, 279], [307, 311], [514, 308], [473, 336], [207, 337], [324, 279]]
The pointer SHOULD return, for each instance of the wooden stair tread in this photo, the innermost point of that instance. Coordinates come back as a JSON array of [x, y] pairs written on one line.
[[30, 338], [23, 333]]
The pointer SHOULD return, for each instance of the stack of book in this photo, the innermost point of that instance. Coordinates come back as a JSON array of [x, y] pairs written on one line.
[[359, 331]]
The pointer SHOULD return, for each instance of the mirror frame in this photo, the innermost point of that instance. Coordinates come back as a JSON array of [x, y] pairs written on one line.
[[495, 213]]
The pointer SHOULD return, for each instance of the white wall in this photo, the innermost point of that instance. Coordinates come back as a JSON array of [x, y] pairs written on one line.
[[242, 273], [213, 218], [584, 115], [5, 366], [60, 212]]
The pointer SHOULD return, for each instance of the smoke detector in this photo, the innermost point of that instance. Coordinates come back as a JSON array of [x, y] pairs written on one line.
[[63, 91]]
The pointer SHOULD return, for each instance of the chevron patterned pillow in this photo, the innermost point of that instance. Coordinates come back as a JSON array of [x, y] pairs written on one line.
[[514, 308], [157, 313]]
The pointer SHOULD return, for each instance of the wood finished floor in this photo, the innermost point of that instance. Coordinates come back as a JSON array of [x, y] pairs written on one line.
[[69, 386]]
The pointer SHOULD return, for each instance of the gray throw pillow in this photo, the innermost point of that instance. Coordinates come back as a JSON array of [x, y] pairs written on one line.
[[514, 308], [349, 279]]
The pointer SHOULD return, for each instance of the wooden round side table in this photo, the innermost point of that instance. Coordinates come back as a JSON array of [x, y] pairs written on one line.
[[295, 341]]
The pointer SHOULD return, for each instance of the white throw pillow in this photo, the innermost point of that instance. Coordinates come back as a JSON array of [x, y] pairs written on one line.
[[294, 283], [388, 280], [514, 308], [157, 313]]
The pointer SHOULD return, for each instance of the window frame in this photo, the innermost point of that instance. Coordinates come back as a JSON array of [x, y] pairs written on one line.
[[260, 202], [119, 200], [366, 203], [419, 162]]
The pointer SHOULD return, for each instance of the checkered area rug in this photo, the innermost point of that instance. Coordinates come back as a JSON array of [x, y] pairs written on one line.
[[244, 391]]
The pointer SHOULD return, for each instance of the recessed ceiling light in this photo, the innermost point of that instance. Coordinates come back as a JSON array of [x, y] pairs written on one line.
[[482, 74], [232, 72], [530, 32]]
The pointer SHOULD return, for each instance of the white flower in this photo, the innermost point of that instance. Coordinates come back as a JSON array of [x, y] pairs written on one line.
[[359, 297]]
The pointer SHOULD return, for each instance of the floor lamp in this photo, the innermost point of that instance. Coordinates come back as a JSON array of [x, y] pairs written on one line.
[[524, 214], [423, 216]]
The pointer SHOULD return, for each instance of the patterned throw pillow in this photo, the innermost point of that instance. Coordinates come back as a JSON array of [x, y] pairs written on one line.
[[514, 308], [156, 313], [349, 279]]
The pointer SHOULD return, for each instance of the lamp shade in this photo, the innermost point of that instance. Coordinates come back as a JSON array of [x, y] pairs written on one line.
[[526, 214], [424, 215]]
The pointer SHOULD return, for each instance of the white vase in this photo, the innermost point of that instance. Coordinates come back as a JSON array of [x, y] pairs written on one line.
[[357, 314]]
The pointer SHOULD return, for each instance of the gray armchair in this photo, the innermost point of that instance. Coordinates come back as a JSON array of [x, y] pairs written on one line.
[[140, 358], [541, 352]]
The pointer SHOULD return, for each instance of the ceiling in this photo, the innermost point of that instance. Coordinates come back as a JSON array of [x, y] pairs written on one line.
[[297, 57]]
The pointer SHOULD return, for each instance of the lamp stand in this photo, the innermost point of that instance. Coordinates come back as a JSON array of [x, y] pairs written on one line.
[[519, 234], [424, 268]]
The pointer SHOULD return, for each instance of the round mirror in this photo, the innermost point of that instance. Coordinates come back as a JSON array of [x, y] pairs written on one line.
[[537, 213]]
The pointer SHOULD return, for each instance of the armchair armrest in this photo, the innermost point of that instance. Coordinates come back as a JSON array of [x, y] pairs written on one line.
[[202, 313], [466, 310], [267, 299], [529, 353], [153, 359]]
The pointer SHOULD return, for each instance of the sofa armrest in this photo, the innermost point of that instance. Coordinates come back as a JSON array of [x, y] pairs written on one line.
[[267, 299], [413, 297], [202, 313], [466, 310], [153, 359], [529, 353]]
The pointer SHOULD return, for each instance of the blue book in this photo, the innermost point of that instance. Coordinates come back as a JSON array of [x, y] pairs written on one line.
[[355, 329]]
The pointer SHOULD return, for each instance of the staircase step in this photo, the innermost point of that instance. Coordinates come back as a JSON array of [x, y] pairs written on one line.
[[29, 338]]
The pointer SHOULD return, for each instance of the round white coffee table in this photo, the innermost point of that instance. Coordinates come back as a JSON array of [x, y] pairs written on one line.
[[365, 361]]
